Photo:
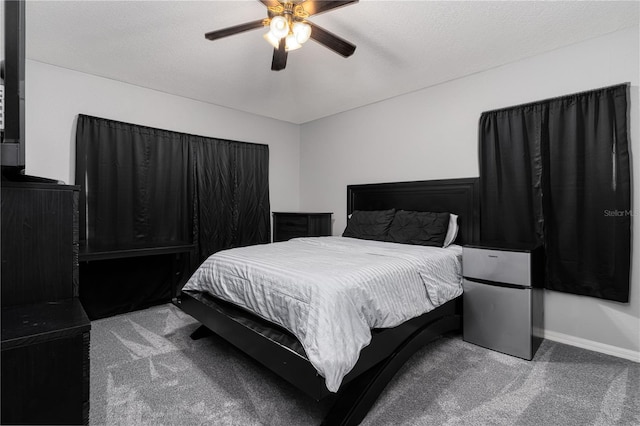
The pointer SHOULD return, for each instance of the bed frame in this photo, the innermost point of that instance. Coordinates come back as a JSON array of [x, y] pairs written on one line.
[[282, 353]]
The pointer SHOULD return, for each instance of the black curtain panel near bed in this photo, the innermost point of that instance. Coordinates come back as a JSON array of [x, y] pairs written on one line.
[[153, 188], [146, 186], [557, 173], [232, 203]]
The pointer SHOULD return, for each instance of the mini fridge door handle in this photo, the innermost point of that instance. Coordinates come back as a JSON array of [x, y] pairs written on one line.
[[497, 284]]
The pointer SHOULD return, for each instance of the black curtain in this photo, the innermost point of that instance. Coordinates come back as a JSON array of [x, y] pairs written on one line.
[[152, 187], [137, 184], [557, 172], [232, 180], [511, 175]]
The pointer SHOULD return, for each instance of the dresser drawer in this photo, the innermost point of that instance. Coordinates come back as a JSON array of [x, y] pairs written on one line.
[[288, 225], [511, 267], [297, 224]]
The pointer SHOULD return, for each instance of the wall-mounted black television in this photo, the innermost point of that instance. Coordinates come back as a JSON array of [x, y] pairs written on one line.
[[12, 144]]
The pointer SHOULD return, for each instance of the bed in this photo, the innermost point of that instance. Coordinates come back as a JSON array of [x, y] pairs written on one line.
[[282, 352]]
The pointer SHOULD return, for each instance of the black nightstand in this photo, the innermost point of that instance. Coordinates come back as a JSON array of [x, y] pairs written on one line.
[[287, 225]]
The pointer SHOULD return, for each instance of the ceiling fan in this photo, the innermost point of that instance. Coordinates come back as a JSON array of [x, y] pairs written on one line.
[[289, 28]]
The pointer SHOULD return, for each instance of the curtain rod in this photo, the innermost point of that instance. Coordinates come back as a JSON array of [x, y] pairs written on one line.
[[557, 98], [168, 131]]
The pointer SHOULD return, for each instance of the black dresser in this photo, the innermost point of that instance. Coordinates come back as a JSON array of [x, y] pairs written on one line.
[[45, 331], [45, 363], [287, 225]]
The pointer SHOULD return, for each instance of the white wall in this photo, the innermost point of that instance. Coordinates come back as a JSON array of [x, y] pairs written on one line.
[[55, 96], [432, 134]]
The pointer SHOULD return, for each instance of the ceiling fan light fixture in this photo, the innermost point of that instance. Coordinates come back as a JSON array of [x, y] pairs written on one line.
[[302, 31], [279, 27], [271, 39], [292, 43]]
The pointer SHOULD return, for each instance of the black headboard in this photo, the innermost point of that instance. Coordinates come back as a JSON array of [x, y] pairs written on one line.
[[459, 196]]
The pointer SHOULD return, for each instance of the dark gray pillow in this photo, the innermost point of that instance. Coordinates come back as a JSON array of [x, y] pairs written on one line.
[[420, 228], [369, 224]]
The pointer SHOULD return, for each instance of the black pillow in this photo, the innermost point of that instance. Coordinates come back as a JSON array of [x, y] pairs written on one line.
[[369, 224], [420, 228]]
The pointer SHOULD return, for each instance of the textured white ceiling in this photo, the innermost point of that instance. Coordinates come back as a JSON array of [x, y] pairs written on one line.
[[402, 46]]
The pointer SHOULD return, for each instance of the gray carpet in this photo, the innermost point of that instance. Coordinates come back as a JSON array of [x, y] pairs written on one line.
[[145, 370]]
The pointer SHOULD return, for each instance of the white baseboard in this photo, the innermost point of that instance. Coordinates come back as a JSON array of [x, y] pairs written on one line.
[[592, 346]]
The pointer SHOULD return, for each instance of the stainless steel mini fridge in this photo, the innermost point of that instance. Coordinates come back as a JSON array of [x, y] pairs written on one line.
[[502, 299]]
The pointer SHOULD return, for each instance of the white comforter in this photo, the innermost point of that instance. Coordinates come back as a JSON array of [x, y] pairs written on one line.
[[331, 291]]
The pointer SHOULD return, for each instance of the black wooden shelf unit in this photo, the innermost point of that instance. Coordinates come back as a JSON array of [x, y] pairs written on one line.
[[45, 330]]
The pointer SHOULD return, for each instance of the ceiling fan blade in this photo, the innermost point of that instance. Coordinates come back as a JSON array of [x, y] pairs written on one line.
[[270, 3], [214, 35], [279, 57], [313, 7], [331, 41]]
